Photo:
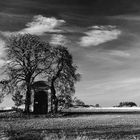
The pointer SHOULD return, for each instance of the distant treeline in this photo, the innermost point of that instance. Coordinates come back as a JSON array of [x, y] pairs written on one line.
[[126, 104]]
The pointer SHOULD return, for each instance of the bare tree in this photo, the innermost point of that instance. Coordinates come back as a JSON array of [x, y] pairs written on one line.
[[27, 58]]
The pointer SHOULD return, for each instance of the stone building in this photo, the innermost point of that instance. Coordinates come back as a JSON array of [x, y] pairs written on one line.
[[41, 97]]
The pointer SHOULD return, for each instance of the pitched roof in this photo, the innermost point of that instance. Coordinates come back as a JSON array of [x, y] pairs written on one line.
[[41, 84]]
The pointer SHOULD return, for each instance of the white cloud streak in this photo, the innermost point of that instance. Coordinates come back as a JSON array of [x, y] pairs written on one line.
[[98, 35], [2, 52], [2, 45], [127, 84], [41, 24], [119, 53], [58, 39]]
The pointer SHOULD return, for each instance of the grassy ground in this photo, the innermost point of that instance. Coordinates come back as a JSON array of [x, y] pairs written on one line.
[[110, 126]]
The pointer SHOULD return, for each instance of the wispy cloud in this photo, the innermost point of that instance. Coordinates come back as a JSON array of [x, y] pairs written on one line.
[[126, 17], [2, 45], [125, 84], [98, 35], [38, 26], [119, 53], [41, 24], [2, 52], [58, 39]]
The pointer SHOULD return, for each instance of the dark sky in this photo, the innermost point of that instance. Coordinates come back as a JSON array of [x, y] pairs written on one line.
[[102, 35], [91, 7]]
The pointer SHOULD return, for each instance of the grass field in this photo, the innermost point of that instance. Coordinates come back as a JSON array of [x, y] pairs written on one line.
[[108, 126], [103, 110]]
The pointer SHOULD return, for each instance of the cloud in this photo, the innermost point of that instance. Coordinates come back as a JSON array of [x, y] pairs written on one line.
[[58, 39], [126, 17], [41, 24], [38, 26], [98, 35], [119, 53], [2, 62], [2, 49], [2, 52], [126, 84]]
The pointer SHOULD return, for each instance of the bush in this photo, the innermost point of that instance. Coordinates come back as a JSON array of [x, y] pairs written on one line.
[[11, 114]]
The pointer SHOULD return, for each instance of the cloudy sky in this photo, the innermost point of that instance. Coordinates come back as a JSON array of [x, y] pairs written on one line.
[[102, 35]]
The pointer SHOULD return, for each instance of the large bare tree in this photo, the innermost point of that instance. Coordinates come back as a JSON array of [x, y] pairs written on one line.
[[27, 58]]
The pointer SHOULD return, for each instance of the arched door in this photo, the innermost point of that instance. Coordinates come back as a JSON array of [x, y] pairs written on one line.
[[41, 102]]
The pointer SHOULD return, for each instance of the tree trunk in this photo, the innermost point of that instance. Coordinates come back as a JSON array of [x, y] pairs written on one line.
[[54, 100], [28, 100], [56, 105], [51, 102]]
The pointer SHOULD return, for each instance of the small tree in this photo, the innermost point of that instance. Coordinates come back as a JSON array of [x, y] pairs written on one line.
[[18, 99], [65, 100], [97, 105], [78, 102]]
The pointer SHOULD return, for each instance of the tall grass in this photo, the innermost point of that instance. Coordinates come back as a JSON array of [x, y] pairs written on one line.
[[66, 135]]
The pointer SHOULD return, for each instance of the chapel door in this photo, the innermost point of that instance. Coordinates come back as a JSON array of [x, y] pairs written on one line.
[[41, 102]]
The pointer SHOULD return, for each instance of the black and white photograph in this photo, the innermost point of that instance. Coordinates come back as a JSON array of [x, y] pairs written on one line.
[[69, 69]]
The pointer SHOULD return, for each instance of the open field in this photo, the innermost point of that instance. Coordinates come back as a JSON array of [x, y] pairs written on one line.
[[108, 126], [102, 110]]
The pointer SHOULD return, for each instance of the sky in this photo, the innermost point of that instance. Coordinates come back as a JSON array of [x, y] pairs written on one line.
[[102, 35]]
